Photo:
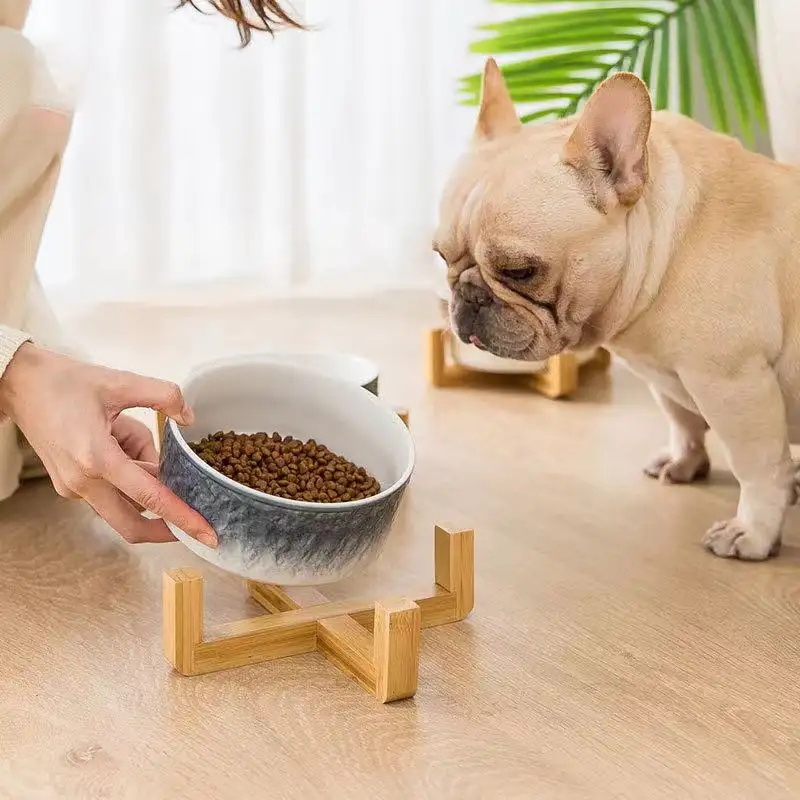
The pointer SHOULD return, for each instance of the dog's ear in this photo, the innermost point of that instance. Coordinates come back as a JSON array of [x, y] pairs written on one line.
[[497, 115], [609, 143]]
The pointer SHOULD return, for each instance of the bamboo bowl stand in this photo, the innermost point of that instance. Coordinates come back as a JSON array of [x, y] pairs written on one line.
[[559, 379], [375, 642]]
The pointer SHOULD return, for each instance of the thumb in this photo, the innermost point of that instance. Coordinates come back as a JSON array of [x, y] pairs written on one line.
[[138, 391]]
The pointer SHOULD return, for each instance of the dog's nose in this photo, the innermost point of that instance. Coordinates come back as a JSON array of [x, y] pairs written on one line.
[[475, 295]]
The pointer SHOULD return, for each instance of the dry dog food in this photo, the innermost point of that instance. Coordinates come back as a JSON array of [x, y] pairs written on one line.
[[286, 467]]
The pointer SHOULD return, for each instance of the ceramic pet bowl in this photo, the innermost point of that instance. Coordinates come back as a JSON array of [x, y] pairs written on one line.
[[271, 539], [342, 366]]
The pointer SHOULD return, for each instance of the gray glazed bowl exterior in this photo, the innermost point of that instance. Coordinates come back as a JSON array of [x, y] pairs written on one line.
[[272, 540]]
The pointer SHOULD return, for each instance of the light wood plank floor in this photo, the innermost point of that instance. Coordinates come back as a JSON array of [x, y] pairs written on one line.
[[608, 656]]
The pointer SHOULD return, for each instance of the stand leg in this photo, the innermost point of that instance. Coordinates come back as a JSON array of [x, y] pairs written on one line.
[[454, 560], [602, 358], [183, 617], [435, 357], [560, 379], [396, 636]]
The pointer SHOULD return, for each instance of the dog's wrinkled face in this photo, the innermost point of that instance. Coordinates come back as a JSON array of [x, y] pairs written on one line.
[[533, 224]]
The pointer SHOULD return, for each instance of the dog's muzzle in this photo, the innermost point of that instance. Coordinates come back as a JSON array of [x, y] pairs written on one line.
[[470, 300]]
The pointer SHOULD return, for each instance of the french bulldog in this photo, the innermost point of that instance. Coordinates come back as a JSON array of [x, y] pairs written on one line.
[[671, 245]]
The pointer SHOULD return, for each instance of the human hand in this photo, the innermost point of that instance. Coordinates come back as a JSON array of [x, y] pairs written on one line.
[[135, 439], [70, 414]]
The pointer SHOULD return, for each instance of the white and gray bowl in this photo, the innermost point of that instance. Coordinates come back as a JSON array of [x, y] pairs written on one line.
[[342, 366], [270, 539]]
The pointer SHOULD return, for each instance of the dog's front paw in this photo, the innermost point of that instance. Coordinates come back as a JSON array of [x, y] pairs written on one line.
[[691, 466], [730, 539]]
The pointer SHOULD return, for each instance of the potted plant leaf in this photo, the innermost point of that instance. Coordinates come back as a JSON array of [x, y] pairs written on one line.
[[694, 55]]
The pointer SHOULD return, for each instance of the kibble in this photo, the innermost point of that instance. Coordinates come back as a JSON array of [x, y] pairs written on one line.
[[286, 467]]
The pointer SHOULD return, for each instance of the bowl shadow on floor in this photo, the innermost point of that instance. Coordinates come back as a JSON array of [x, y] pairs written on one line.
[[597, 386]]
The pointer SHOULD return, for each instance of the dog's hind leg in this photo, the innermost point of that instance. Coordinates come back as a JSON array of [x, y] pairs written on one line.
[[686, 459]]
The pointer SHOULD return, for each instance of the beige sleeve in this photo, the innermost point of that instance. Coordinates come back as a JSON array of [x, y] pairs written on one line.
[[10, 341], [34, 129], [33, 135]]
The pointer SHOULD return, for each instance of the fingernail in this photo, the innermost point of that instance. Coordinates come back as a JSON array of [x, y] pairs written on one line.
[[208, 539], [187, 416]]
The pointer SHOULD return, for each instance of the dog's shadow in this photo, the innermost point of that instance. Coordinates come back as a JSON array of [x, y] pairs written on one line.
[[720, 478], [602, 386]]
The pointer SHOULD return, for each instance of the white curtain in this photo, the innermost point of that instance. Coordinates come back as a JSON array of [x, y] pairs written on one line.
[[311, 162]]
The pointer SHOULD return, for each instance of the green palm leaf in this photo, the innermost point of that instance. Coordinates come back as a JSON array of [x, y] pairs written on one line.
[[685, 77], [686, 51], [663, 67], [711, 75]]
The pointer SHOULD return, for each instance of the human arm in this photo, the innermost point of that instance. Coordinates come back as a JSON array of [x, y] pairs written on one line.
[[68, 410]]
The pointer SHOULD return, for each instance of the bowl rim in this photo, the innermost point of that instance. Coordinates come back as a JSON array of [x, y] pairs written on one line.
[[370, 368], [270, 499]]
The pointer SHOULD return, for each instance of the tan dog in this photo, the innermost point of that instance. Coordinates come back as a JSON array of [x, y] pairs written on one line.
[[672, 245]]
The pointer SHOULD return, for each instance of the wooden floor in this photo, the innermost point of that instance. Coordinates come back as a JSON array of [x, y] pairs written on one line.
[[608, 656]]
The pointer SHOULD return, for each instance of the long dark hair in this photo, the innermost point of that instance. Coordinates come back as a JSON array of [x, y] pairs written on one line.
[[251, 15]]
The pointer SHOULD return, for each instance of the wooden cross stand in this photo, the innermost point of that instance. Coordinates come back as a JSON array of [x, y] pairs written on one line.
[[376, 642], [560, 378]]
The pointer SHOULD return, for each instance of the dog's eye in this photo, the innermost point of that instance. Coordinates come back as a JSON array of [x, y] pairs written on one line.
[[521, 274]]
